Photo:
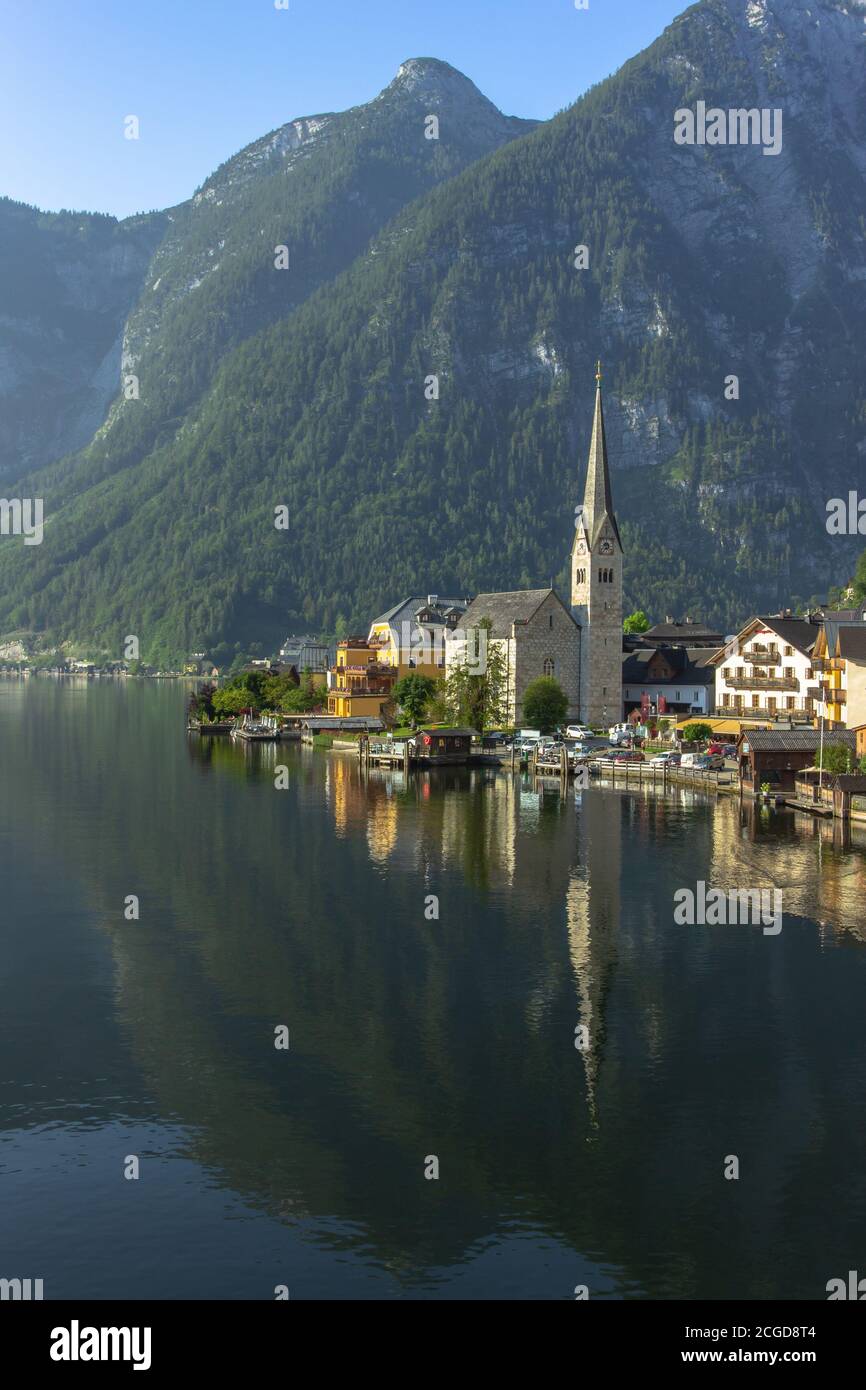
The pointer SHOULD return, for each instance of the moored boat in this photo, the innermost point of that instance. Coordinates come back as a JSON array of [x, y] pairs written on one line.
[[251, 730]]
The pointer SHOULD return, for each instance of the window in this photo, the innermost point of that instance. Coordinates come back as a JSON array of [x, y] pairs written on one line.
[[550, 620], [789, 651], [549, 666]]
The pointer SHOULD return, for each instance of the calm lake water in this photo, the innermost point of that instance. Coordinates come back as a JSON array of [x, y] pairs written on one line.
[[410, 1037]]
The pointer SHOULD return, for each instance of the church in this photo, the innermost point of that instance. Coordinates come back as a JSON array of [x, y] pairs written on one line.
[[580, 645]]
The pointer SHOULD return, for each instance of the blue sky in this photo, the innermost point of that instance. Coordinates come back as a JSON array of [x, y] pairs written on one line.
[[205, 77]]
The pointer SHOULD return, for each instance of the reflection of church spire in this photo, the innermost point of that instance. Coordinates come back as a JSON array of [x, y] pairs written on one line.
[[580, 951], [593, 917]]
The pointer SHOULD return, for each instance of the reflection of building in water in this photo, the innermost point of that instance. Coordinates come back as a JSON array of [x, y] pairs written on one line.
[[819, 866], [382, 828], [339, 792], [482, 814], [593, 906], [363, 802]]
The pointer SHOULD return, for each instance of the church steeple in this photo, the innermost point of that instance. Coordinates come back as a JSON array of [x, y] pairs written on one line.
[[596, 584], [597, 497]]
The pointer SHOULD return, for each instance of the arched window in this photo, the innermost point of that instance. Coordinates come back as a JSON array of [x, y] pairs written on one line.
[[549, 666]]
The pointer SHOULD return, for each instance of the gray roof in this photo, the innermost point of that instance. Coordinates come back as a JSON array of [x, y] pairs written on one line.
[[796, 632], [797, 740], [852, 642], [693, 666], [510, 606], [680, 632], [408, 607]]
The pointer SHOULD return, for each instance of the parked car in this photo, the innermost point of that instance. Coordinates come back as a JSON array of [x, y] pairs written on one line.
[[634, 756], [666, 759], [691, 759], [578, 731]]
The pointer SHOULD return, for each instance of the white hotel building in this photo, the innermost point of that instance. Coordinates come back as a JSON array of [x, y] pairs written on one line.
[[766, 671]]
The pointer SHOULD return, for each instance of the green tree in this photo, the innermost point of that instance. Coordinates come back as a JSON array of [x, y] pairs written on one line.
[[636, 622], [860, 580], [413, 693], [863, 764], [835, 757], [246, 691], [477, 697], [545, 704], [697, 733]]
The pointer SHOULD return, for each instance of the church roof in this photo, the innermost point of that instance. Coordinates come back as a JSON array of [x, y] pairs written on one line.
[[503, 609], [597, 496]]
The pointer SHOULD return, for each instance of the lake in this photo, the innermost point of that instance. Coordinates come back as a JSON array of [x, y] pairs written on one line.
[[435, 948]]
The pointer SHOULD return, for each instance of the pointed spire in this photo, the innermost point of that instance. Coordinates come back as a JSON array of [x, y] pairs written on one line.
[[597, 497]]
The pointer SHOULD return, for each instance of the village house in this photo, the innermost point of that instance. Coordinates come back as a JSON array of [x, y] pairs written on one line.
[[766, 671], [775, 757], [839, 659], [411, 636], [670, 680], [443, 745], [360, 684], [307, 653]]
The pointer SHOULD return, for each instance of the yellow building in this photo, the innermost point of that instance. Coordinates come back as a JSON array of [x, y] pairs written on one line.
[[410, 637], [360, 683], [839, 659]]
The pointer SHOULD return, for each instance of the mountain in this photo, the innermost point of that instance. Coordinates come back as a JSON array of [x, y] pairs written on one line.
[[705, 262], [86, 301], [67, 283]]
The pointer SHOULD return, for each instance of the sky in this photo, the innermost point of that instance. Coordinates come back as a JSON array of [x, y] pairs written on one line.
[[206, 77]]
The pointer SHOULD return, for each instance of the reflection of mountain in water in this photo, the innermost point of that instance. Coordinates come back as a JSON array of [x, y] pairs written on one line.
[[456, 1037]]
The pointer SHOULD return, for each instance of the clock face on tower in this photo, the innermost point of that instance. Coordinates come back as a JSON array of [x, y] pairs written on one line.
[[606, 548]]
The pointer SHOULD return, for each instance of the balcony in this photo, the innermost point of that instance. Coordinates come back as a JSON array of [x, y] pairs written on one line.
[[763, 655], [381, 688], [763, 683], [782, 716]]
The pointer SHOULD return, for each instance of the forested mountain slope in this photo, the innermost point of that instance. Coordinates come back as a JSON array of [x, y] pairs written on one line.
[[704, 262]]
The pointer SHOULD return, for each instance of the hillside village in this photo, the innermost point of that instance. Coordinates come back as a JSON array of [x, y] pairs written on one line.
[[780, 673]]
